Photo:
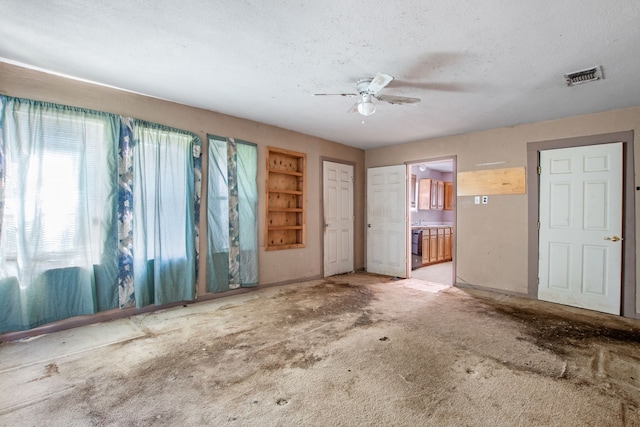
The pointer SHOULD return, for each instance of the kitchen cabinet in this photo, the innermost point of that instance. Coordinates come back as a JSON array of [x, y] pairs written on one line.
[[434, 195], [433, 245], [448, 241], [439, 195], [414, 191], [448, 196], [424, 194], [440, 238]]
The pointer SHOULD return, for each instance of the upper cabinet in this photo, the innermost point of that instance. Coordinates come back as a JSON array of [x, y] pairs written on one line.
[[448, 196], [414, 191], [433, 194], [424, 193], [440, 195]]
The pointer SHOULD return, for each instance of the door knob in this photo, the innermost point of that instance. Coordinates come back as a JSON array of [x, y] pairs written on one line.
[[613, 238], [369, 225], [326, 225]]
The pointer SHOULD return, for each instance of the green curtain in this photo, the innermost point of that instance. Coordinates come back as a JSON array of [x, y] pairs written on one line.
[[163, 214], [232, 254], [57, 213]]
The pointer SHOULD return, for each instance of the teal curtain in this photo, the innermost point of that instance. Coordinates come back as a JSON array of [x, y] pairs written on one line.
[[57, 212], [163, 227], [247, 172], [232, 255], [97, 211]]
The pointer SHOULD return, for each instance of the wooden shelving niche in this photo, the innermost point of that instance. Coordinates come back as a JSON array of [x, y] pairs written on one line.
[[285, 207]]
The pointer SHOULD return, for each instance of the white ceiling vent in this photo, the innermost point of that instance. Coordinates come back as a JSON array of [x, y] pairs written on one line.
[[583, 76]]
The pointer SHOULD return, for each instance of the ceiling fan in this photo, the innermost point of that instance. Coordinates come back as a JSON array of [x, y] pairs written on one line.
[[368, 88]]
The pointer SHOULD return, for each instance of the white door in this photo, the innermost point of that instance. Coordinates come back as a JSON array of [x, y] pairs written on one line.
[[386, 220], [580, 254], [338, 218]]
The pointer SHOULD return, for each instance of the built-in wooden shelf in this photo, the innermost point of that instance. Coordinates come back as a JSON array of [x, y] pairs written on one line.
[[285, 209], [298, 193], [285, 172], [285, 194]]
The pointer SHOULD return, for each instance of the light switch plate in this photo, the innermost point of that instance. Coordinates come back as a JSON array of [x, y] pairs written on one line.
[[476, 200]]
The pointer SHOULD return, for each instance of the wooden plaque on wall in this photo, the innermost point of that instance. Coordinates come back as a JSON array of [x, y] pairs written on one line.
[[494, 181]]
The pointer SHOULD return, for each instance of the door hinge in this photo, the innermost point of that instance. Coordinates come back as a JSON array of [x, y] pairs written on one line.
[[539, 170], [538, 280], [538, 225]]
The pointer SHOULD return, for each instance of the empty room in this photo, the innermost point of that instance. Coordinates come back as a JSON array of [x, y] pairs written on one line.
[[319, 213]]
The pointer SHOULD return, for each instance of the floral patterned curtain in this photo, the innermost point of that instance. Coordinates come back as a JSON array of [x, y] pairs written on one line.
[[232, 246], [157, 220]]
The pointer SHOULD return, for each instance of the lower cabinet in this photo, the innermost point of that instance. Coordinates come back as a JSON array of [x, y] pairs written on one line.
[[435, 246]]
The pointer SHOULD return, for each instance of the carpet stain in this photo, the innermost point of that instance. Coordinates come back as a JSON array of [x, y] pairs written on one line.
[[353, 337], [50, 370], [556, 333]]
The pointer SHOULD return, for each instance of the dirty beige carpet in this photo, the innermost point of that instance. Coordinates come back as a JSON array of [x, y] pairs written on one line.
[[352, 350]]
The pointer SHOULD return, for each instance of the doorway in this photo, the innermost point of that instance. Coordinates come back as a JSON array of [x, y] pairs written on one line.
[[627, 299], [432, 220]]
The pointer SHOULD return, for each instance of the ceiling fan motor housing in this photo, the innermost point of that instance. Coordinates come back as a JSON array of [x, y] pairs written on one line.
[[363, 86]]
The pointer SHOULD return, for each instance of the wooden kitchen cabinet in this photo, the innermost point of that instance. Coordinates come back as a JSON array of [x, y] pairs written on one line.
[[424, 194], [440, 239], [439, 195], [435, 245], [431, 194], [448, 252], [433, 202], [425, 247], [448, 196]]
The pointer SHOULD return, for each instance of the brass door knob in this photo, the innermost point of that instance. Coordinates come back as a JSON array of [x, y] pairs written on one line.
[[613, 238]]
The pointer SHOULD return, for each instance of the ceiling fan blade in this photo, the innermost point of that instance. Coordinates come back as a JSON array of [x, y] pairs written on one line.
[[379, 82], [391, 99], [336, 94]]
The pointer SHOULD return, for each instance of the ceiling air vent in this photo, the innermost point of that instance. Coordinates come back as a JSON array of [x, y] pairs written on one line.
[[583, 76]]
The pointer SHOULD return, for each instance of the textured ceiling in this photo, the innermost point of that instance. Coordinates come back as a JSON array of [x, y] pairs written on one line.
[[475, 64]]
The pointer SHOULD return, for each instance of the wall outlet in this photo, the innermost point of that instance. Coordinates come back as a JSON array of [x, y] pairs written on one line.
[[485, 200], [476, 200]]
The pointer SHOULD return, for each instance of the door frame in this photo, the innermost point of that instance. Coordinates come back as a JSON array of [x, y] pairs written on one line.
[[321, 195], [454, 240], [628, 280]]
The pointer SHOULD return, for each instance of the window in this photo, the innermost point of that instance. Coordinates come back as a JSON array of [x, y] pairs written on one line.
[[96, 212], [58, 164], [232, 233], [163, 222], [58, 216]]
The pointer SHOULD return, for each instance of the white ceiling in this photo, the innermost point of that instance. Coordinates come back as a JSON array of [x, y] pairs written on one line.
[[475, 64]]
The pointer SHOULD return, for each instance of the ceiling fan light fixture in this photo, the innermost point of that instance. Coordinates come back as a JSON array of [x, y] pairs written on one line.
[[366, 107]]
